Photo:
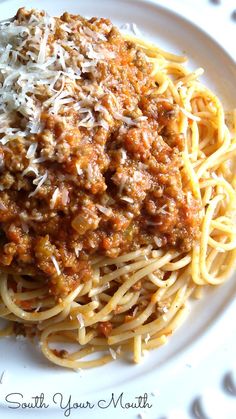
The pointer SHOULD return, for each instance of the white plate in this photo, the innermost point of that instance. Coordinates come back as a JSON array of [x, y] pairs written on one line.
[[207, 328]]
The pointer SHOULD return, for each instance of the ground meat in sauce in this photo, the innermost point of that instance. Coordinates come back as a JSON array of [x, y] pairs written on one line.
[[113, 182]]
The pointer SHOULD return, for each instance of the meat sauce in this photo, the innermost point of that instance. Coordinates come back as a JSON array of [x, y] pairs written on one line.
[[112, 183]]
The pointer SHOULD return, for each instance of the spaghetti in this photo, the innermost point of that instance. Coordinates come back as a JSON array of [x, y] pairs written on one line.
[[132, 301]]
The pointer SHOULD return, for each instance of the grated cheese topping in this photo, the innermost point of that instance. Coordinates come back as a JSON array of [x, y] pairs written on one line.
[[55, 263], [82, 151], [39, 181], [39, 73], [80, 319], [113, 353], [55, 195], [31, 150]]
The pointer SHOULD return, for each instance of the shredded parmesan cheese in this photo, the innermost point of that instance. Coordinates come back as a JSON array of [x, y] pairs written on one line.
[[80, 319], [135, 311], [31, 150], [2, 206], [55, 195], [78, 168], [123, 156], [78, 247], [113, 353], [127, 199], [39, 181], [157, 241], [104, 210], [55, 263], [147, 338]]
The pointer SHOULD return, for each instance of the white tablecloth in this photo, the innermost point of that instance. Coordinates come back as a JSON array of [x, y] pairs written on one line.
[[215, 19]]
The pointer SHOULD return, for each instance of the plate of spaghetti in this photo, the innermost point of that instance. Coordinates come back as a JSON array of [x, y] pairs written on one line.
[[117, 185]]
